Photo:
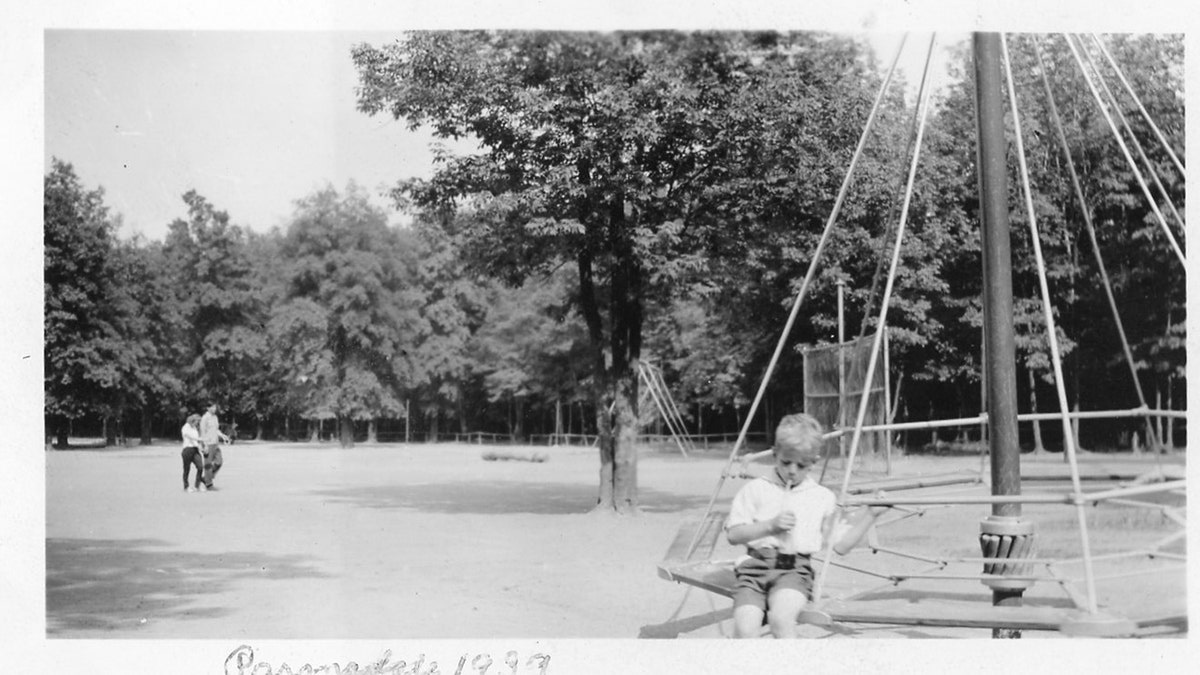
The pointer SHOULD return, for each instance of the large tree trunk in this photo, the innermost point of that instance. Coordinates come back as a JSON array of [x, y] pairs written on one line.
[[58, 429], [604, 427], [1038, 448], [518, 431], [617, 426], [616, 366], [625, 429], [558, 428], [431, 436], [346, 431], [147, 418]]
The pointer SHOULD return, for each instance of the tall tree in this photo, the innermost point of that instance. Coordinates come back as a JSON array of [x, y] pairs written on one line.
[[344, 319], [525, 347], [82, 320], [599, 149], [152, 328], [453, 303], [214, 283]]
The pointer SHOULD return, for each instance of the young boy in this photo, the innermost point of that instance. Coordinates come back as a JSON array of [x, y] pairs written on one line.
[[782, 519]]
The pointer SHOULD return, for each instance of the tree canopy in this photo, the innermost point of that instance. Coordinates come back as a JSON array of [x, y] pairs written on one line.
[[641, 158]]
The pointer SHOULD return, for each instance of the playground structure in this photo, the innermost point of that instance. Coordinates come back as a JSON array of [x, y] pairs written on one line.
[[1008, 545], [835, 374], [654, 389]]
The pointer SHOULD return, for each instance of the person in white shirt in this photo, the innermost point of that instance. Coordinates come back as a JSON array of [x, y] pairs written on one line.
[[782, 519], [191, 452]]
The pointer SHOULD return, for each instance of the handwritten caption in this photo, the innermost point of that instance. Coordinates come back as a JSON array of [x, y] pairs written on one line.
[[241, 662]]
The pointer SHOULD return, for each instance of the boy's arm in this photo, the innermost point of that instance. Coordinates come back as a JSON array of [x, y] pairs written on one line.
[[741, 527], [847, 534], [748, 532]]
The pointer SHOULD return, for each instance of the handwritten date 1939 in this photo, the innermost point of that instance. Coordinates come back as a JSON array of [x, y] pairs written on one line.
[[241, 662]]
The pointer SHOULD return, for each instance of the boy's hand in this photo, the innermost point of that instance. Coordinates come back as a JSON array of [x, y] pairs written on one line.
[[783, 522]]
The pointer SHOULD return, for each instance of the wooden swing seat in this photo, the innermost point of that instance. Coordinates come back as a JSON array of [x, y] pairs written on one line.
[[718, 578]]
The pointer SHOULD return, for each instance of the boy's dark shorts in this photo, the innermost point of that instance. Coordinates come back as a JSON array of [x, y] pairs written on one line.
[[759, 575]]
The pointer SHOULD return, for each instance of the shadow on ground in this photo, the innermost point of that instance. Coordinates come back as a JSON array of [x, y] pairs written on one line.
[[500, 497], [112, 584]]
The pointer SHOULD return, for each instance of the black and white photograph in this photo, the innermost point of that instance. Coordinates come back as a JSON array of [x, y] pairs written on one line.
[[513, 338]]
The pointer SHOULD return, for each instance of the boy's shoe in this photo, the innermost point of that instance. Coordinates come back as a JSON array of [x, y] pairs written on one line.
[[191, 489], [203, 488], [212, 488]]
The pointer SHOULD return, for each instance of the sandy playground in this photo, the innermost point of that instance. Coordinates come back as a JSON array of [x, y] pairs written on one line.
[[432, 541]]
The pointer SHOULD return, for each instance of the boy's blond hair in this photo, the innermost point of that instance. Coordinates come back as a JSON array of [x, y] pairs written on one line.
[[800, 433]]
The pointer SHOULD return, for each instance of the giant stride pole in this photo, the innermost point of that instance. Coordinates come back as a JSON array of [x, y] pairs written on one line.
[[1003, 530]]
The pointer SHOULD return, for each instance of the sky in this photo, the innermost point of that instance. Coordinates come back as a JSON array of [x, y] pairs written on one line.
[[256, 119], [252, 120]]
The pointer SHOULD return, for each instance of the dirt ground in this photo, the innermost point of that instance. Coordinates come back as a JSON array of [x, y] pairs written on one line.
[[432, 541]]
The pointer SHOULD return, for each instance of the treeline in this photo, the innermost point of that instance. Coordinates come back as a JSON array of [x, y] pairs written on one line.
[[474, 317]]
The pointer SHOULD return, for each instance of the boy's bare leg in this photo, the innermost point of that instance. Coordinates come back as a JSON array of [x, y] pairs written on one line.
[[747, 621], [783, 608]]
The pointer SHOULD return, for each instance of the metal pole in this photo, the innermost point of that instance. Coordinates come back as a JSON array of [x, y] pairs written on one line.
[[887, 401], [841, 418], [1000, 362]]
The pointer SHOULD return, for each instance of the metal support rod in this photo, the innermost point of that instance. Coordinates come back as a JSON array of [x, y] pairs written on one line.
[[1133, 139], [1154, 488], [922, 113], [1023, 417], [1162, 221], [841, 417], [808, 277], [1157, 132], [672, 408], [1086, 214], [888, 411], [1081, 498], [1000, 345], [652, 388], [997, 266]]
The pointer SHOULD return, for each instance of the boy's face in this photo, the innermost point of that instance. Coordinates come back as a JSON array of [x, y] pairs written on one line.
[[792, 465]]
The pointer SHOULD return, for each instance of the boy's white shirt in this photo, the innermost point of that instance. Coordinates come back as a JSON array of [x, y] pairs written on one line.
[[763, 498]]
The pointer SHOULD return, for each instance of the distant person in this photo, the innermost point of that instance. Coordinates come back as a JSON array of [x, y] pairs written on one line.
[[782, 519], [191, 452], [210, 438]]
